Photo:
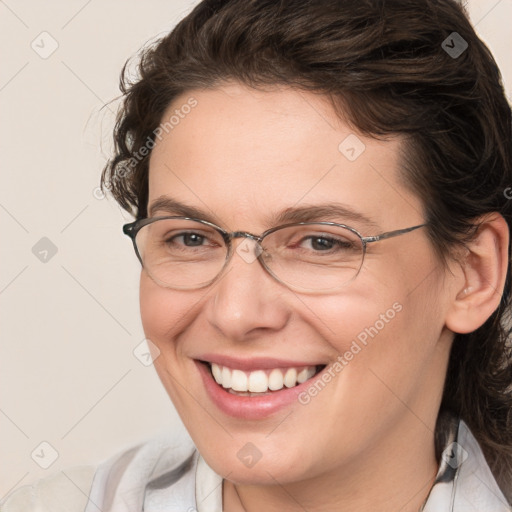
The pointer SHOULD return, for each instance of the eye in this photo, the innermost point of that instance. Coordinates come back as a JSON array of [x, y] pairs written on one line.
[[321, 243], [188, 239], [325, 243]]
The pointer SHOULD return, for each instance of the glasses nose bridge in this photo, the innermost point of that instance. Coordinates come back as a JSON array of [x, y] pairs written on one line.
[[245, 234], [251, 236]]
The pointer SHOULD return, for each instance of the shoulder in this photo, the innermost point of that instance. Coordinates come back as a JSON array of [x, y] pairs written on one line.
[[464, 482], [161, 470], [118, 484], [475, 486], [67, 490]]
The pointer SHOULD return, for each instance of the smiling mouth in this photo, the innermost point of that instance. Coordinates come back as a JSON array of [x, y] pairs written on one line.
[[260, 382]]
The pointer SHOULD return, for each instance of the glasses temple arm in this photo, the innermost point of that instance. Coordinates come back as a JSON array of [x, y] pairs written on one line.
[[391, 234]]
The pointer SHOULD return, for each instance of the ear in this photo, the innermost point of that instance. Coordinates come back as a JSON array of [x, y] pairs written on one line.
[[479, 287]]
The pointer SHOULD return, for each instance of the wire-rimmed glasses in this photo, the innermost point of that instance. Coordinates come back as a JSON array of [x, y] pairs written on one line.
[[184, 253]]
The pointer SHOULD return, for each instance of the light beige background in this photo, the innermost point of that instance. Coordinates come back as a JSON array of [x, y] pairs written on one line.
[[69, 326]]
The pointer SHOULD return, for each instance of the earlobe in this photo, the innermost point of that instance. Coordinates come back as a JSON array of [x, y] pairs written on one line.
[[479, 288]]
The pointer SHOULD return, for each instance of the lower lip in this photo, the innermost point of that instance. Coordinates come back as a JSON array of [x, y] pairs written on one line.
[[247, 407]]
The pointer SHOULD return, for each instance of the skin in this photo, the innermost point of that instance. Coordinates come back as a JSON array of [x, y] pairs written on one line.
[[240, 155]]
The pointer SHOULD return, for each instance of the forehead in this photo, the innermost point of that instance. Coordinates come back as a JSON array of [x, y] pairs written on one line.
[[241, 153]]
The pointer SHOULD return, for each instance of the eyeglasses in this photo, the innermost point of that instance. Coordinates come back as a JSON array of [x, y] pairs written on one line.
[[183, 253]]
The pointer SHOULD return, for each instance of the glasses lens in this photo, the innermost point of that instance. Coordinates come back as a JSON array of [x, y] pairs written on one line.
[[313, 257], [181, 254]]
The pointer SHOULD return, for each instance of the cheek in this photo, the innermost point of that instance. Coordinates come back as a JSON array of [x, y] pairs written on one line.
[[387, 332], [164, 313], [156, 310]]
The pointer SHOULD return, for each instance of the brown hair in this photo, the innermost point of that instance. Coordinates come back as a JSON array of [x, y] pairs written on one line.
[[385, 65]]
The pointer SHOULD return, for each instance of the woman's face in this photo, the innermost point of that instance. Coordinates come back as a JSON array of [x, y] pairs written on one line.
[[243, 157]]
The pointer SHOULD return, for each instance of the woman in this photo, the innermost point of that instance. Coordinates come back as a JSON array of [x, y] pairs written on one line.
[[322, 218]]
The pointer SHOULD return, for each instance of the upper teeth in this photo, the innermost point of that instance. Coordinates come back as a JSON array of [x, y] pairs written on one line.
[[260, 381]]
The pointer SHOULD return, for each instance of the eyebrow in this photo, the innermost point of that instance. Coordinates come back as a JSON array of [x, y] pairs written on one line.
[[332, 212]]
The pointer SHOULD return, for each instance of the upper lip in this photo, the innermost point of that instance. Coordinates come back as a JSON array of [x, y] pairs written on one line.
[[255, 363]]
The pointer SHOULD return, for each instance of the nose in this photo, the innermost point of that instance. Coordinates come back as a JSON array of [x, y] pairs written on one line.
[[246, 299]]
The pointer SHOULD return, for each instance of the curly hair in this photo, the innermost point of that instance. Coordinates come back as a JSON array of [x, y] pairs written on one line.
[[387, 68]]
